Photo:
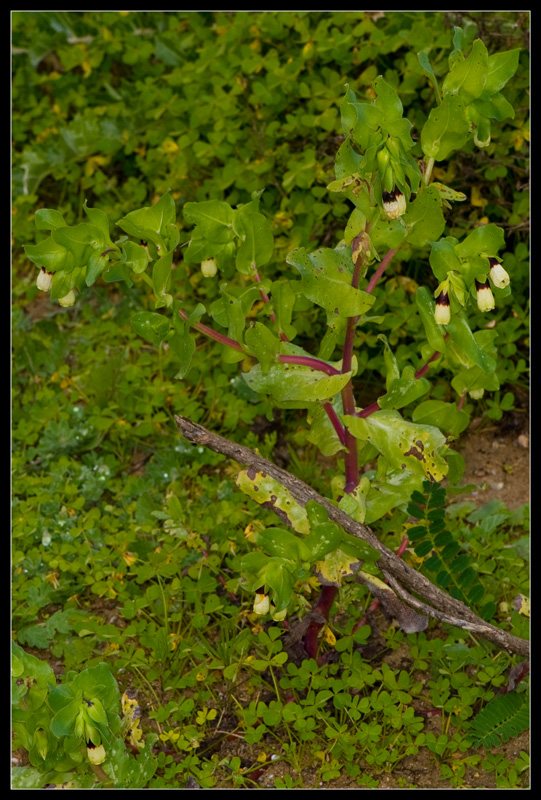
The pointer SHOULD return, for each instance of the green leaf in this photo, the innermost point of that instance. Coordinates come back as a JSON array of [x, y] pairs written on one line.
[[48, 219], [96, 265], [424, 218], [63, 283], [433, 331], [404, 390], [135, 257], [462, 336], [100, 221], [326, 281], [359, 120], [485, 240], [63, 721], [277, 576], [503, 718], [426, 66], [80, 240], [405, 445], [501, 67], [50, 255], [152, 327], [445, 416], [264, 489], [183, 346], [213, 219], [392, 372], [473, 379], [347, 161], [468, 77], [199, 248], [446, 128], [322, 432], [294, 386], [443, 258], [257, 241], [29, 778], [150, 223], [283, 300], [283, 544], [387, 100], [263, 344], [336, 566], [161, 280]]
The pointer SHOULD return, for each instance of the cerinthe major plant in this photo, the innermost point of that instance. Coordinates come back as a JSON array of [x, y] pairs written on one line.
[[396, 207]]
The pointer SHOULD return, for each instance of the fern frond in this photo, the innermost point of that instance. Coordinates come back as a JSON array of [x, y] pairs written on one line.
[[501, 719]]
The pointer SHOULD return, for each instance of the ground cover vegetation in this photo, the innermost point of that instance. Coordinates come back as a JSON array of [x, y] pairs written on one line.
[[307, 233]]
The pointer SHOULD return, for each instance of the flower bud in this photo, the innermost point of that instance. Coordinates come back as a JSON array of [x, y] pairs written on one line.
[[261, 604], [476, 394], [68, 299], [442, 312], [40, 738], [394, 203], [96, 755], [498, 275], [44, 280], [209, 268], [278, 616], [485, 298]]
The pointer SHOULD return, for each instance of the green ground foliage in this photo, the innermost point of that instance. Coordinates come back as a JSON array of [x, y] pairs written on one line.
[[133, 624]]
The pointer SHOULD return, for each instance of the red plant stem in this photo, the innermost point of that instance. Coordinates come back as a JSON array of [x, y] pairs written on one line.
[[337, 425], [368, 410], [461, 401], [262, 292], [436, 354], [308, 361], [351, 462], [323, 606], [380, 270], [212, 334]]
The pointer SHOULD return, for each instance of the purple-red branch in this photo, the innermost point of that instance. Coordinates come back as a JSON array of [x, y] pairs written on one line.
[[308, 361], [212, 334], [380, 270], [337, 425]]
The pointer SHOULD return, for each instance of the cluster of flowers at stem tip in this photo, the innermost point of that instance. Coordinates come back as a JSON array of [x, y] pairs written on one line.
[[45, 281], [485, 298]]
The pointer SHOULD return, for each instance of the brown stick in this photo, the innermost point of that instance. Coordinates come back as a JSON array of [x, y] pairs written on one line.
[[389, 563]]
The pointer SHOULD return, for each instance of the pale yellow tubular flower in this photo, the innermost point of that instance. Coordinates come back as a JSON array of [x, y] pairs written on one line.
[[498, 275], [44, 280], [485, 298]]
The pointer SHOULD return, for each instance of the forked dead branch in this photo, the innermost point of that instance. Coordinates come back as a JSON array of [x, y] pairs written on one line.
[[401, 577]]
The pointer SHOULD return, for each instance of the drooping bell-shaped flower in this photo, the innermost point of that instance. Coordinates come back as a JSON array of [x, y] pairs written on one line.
[[96, 754], [209, 267], [442, 312], [44, 280], [394, 203], [261, 603], [68, 299], [498, 275], [485, 298]]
